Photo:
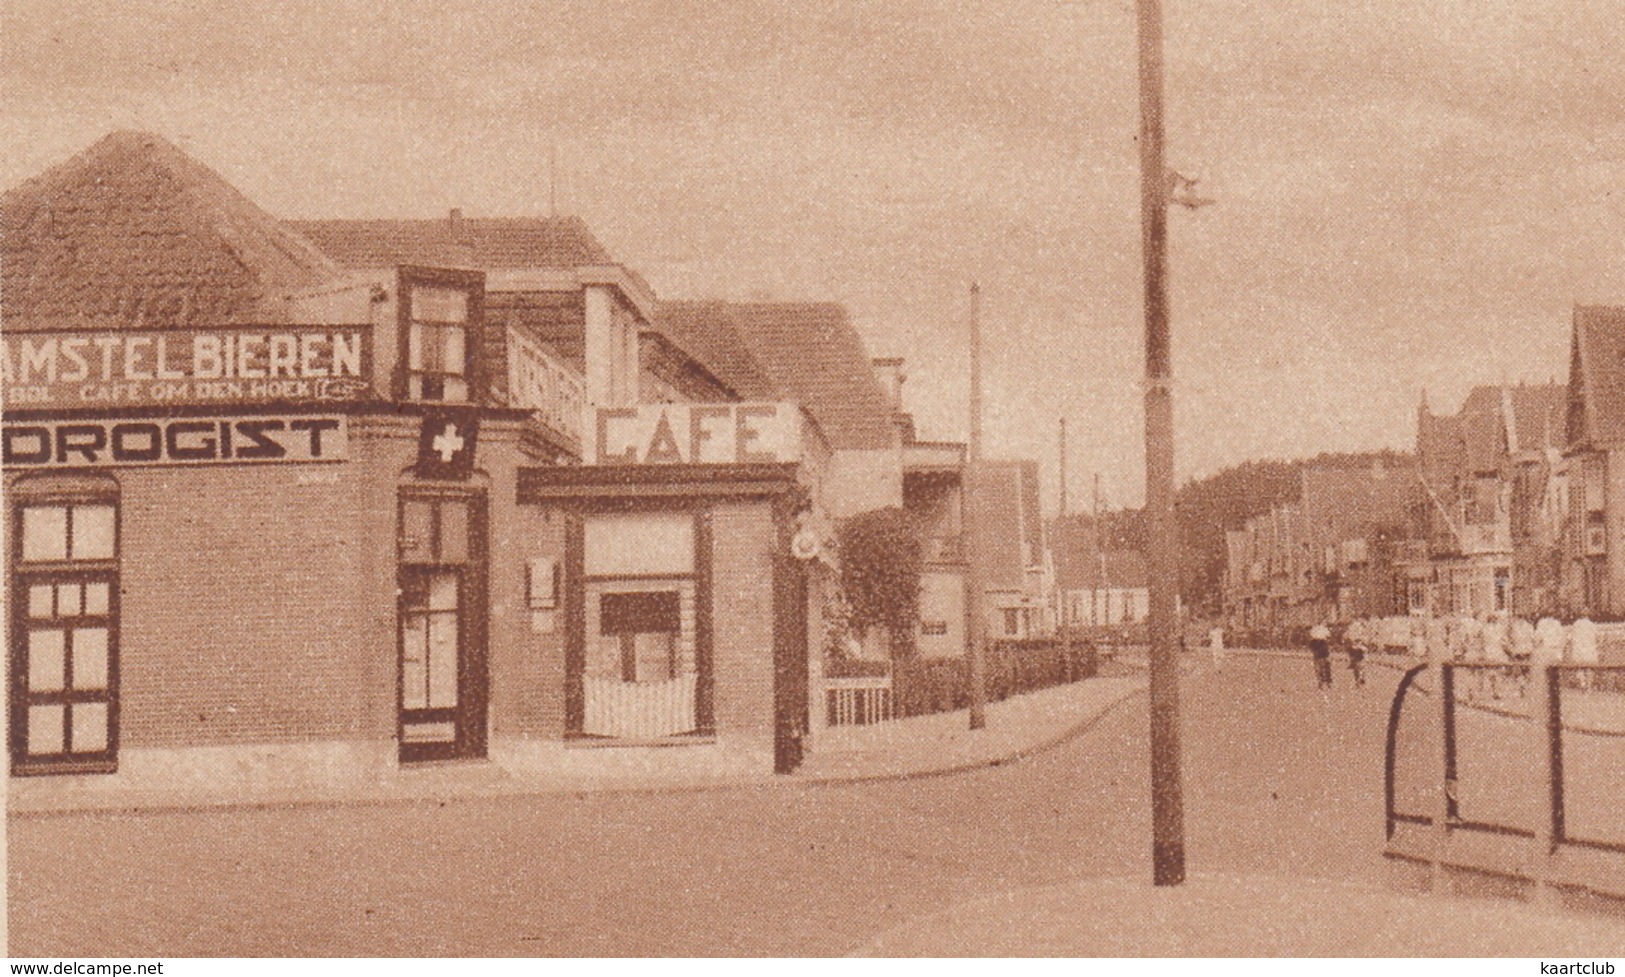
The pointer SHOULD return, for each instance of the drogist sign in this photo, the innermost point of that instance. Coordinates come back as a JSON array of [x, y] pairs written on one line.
[[103, 443], [295, 364]]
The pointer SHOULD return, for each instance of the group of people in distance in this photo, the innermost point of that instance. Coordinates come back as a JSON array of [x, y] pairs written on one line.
[[1504, 646], [1355, 643]]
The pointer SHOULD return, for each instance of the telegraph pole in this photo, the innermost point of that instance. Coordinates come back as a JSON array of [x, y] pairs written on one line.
[[976, 629], [1063, 468], [1167, 801]]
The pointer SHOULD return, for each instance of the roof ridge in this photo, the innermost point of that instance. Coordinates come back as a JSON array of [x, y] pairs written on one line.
[[132, 229]]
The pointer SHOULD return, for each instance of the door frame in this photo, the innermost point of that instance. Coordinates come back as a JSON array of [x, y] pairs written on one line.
[[469, 716]]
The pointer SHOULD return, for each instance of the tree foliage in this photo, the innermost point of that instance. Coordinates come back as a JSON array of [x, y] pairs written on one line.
[[882, 556]]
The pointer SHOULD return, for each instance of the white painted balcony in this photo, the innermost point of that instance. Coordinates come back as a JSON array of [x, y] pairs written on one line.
[[552, 391]]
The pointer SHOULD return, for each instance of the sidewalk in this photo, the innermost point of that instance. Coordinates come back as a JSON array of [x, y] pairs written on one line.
[[1247, 916], [900, 749]]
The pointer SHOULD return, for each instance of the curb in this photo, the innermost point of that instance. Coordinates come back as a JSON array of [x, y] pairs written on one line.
[[769, 782], [1015, 756]]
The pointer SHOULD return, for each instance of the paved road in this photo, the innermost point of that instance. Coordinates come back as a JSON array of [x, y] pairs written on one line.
[[1277, 781]]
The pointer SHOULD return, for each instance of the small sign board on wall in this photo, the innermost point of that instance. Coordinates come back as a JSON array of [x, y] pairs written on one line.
[[107, 443], [694, 434], [270, 364]]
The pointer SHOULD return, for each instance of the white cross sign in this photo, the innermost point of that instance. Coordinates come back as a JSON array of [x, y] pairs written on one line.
[[447, 443]]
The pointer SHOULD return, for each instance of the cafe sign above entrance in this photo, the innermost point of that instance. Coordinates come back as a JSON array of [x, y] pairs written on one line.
[[263, 365], [694, 434]]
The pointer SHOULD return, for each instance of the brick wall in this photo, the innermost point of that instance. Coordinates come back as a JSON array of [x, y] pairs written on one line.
[[257, 606], [742, 615], [258, 603], [527, 666]]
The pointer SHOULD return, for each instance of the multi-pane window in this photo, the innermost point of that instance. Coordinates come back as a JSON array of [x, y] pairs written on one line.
[[64, 638], [441, 580], [437, 344], [440, 311]]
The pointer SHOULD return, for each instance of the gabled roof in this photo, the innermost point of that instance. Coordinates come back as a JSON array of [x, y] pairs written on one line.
[[1078, 563], [477, 242], [1441, 449], [1597, 376], [1340, 503], [1493, 422], [1498, 420], [1004, 510], [705, 331], [133, 232], [810, 353]]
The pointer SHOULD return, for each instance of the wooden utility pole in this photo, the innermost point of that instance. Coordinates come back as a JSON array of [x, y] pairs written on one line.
[[1097, 597], [975, 585], [1167, 793], [1063, 468]]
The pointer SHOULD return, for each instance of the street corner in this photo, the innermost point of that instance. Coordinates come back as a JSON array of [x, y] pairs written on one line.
[[1243, 916]]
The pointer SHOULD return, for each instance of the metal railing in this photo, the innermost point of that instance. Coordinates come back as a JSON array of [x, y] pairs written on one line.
[[1596, 732]]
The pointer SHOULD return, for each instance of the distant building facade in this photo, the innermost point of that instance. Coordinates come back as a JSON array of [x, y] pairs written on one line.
[[1328, 556], [1488, 478], [1589, 507], [1018, 574]]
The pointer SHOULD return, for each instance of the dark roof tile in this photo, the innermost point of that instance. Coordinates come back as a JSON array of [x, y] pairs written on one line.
[[705, 331], [811, 352], [1599, 346], [132, 231], [477, 242]]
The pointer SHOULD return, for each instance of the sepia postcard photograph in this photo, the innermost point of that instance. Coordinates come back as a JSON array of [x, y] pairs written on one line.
[[924, 479]]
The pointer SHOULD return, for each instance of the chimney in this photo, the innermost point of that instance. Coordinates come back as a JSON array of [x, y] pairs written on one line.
[[889, 371], [454, 220]]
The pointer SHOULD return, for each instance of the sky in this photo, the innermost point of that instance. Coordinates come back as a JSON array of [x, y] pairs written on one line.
[[1410, 194]]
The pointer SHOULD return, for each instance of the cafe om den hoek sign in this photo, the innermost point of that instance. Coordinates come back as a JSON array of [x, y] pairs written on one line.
[[694, 434], [286, 364]]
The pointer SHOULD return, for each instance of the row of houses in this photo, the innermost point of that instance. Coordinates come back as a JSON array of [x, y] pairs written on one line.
[[1514, 503], [357, 494], [1327, 555]]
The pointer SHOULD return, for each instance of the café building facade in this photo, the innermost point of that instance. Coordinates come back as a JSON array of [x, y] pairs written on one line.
[[337, 498]]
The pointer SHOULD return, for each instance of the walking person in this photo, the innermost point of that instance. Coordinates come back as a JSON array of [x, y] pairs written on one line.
[[1550, 640], [1320, 649], [1495, 650], [1358, 642], [1583, 648], [1521, 640], [1470, 651]]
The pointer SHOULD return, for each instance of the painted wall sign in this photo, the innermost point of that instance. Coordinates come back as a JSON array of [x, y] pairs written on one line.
[[104, 443], [235, 366], [695, 434], [538, 382]]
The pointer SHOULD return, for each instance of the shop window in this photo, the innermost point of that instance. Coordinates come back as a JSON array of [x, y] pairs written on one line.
[[64, 631], [1012, 621], [440, 314], [640, 676]]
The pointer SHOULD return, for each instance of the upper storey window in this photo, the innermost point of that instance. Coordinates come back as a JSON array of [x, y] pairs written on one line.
[[440, 313]]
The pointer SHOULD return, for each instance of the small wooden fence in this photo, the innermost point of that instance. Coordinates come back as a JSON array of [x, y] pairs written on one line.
[[859, 701]]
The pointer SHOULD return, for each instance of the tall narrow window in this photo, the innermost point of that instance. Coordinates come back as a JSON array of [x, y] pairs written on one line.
[[442, 654], [440, 317], [64, 674]]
